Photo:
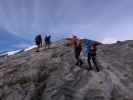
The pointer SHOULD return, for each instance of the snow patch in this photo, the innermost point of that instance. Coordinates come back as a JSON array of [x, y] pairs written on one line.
[[13, 52], [29, 48], [10, 53]]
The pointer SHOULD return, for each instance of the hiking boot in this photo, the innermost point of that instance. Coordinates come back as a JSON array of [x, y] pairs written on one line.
[[77, 64], [37, 51], [98, 70], [90, 68], [81, 63]]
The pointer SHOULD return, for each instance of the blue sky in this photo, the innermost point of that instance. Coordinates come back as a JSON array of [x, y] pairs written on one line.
[[103, 20]]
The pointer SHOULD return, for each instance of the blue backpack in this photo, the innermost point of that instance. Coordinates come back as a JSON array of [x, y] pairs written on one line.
[[87, 47]]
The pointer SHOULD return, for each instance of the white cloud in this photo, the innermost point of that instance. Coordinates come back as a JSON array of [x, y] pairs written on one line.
[[109, 40], [22, 45]]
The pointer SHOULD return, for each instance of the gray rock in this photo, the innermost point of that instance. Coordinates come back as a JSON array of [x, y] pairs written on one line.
[[51, 74]]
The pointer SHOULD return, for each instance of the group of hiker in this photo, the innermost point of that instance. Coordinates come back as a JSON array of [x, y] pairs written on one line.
[[39, 41], [90, 49]]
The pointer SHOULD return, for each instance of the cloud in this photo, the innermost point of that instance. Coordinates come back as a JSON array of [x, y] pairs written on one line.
[[109, 40], [95, 19], [21, 45]]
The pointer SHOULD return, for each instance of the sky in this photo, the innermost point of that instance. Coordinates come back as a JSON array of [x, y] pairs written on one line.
[[103, 20]]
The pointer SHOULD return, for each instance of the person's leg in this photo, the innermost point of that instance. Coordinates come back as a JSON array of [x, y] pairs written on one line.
[[37, 49], [95, 63], [77, 58], [80, 61], [41, 44], [77, 54], [49, 43], [89, 62], [46, 44]]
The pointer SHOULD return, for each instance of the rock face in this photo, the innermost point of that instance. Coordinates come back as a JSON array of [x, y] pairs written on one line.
[[52, 75]]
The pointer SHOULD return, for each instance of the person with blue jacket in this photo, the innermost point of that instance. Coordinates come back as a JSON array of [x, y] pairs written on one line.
[[47, 40], [38, 41], [91, 55]]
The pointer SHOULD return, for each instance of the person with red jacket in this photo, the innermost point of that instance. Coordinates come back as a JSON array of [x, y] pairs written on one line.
[[77, 50]]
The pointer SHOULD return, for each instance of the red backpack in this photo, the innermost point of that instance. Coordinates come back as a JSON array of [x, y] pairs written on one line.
[[94, 48]]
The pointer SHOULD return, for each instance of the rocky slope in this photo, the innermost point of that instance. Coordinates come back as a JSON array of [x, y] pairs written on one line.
[[52, 75]]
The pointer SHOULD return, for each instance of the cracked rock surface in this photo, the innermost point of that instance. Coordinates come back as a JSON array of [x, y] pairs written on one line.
[[51, 74]]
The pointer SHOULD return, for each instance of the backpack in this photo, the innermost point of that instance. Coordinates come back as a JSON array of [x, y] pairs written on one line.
[[87, 47], [94, 49]]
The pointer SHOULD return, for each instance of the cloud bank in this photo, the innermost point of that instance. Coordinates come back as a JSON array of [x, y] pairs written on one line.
[[95, 19]]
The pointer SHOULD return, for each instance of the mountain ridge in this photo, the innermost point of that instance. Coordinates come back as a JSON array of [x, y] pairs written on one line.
[[51, 74]]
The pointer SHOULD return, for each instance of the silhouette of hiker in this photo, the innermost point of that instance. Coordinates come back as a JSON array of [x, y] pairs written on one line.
[[92, 56], [77, 50], [38, 40], [47, 41]]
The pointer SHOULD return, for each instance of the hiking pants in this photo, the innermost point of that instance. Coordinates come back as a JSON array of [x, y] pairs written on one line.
[[77, 55], [93, 58]]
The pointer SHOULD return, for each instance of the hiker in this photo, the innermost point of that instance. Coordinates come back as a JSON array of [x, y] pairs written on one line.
[[38, 40], [92, 56], [47, 40], [77, 50]]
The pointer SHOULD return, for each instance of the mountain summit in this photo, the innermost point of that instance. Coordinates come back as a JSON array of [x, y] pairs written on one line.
[[51, 74]]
